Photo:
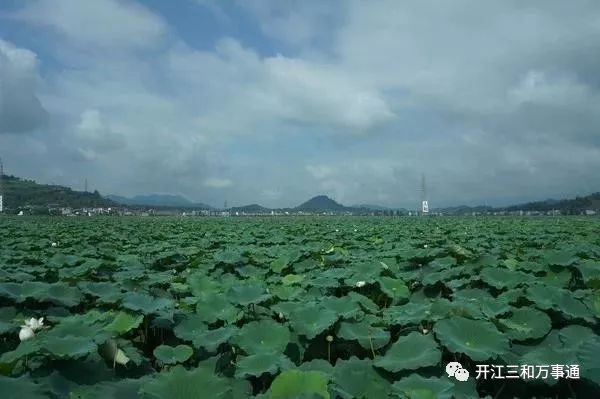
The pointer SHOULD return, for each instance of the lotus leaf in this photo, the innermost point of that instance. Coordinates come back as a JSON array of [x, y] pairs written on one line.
[[262, 336], [367, 336], [416, 387], [526, 323], [410, 352], [260, 363], [356, 378], [292, 384], [478, 339], [173, 354]]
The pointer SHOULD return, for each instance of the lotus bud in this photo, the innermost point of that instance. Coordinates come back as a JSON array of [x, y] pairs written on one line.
[[425, 246], [329, 338], [120, 358], [280, 315], [425, 331], [360, 284], [26, 333]]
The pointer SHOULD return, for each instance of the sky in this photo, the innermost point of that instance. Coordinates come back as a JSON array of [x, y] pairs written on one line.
[[276, 101]]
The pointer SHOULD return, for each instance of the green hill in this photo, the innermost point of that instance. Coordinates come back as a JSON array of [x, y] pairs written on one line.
[[19, 193]]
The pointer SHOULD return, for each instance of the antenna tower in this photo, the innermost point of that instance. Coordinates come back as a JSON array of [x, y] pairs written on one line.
[[1, 190], [424, 202]]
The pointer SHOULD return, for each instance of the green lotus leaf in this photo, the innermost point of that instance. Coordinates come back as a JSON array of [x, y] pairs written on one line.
[[247, 294], [90, 325], [287, 292], [356, 378], [367, 336], [345, 307], [410, 313], [230, 257], [295, 384], [492, 307], [145, 303], [560, 279], [589, 359], [317, 365], [560, 258], [12, 291], [211, 339], [364, 302], [7, 314], [25, 348], [478, 339], [124, 322], [261, 363], [179, 383], [410, 352], [215, 308], [311, 320], [20, 388], [123, 389], [394, 288], [292, 279], [443, 263], [279, 264], [590, 271], [104, 292], [526, 323], [203, 286], [499, 277], [69, 346], [574, 335], [416, 387], [190, 327], [558, 299], [262, 336], [173, 354]]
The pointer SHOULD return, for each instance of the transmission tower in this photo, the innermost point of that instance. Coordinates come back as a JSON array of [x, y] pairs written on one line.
[[86, 187], [1, 189], [424, 202]]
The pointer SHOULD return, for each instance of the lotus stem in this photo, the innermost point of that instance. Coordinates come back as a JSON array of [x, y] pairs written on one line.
[[371, 344], [329, 352]]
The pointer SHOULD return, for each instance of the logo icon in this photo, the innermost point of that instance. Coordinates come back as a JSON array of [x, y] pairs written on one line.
[[455, 369]]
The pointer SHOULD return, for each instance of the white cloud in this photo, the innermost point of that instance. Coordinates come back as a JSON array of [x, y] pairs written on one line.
[[20, 108], [104, 23], [215, 182]]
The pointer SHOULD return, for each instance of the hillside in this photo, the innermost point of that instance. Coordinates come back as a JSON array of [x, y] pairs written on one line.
[[321, 203], [158, 200], [22, 192], [575, 205], [252, 208]]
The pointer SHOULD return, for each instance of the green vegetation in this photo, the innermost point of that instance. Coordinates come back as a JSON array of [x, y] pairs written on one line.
[[296, 307], [21, 193]]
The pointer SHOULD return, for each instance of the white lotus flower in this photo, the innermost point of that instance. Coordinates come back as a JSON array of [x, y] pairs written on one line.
[[360, 284], [329, 338], [425, 331], [54, 244], [425, 246], [26, 333], [280, 315], [35, 324]]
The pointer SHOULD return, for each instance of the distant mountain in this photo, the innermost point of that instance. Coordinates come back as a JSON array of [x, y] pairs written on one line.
[[20, 192], [372, 207], [158, 200], [575, 205], [321, 203], [253, 208]]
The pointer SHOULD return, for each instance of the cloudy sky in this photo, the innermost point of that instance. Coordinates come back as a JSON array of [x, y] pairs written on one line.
[[275, 101]]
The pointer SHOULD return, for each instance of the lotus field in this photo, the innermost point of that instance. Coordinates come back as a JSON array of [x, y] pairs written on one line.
[[323, 307]]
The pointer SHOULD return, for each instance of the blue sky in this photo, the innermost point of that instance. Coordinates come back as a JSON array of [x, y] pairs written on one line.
[[273, 102]]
